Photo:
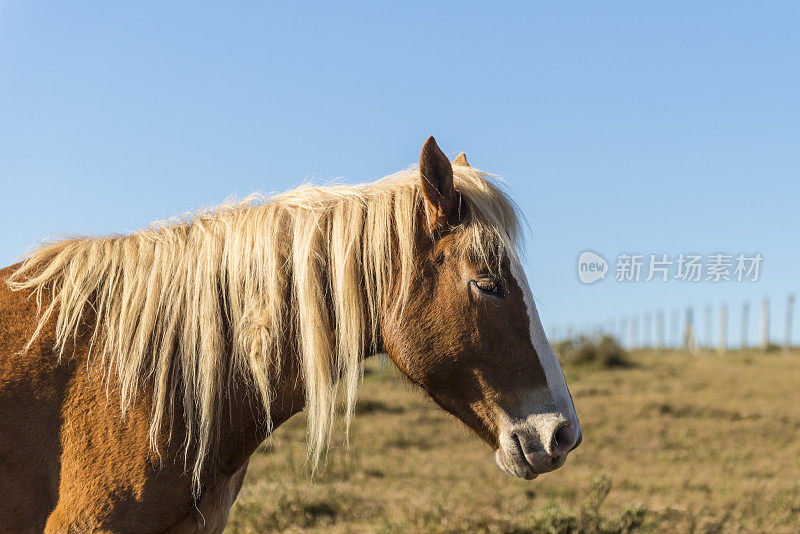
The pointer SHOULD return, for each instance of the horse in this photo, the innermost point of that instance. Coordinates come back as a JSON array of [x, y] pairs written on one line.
[[138, 373]]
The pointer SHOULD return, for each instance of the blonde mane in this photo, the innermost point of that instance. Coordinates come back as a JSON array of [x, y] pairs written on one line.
[[186, 306]]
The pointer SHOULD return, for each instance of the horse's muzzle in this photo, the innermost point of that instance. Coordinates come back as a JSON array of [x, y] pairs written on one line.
[[528, 451]]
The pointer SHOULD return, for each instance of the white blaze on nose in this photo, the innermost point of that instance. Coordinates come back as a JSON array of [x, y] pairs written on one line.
[[556, 383]]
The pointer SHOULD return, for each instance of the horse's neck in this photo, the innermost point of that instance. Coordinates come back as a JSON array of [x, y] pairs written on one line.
[[248, 426], [244, 425]]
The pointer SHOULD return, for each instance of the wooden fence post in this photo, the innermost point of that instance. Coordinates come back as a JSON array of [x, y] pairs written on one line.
[[709, 326], [723, 329], [765, 323], [745, 325], [789, 310], [690, 342], [660, 330], [676, 329]]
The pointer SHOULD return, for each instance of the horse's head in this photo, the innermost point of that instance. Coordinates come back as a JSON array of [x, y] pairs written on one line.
[[469, 333]]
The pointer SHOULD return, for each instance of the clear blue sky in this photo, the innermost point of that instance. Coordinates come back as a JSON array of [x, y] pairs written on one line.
[[618, 126]]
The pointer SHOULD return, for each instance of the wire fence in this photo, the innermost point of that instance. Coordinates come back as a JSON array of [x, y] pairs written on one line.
[[720, 328]]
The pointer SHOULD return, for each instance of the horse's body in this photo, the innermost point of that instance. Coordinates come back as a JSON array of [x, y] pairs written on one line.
[[138, 374], [67, 454]]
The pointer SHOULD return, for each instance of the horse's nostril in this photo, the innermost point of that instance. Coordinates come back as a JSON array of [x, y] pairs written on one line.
[[577, 442], [564, 440]]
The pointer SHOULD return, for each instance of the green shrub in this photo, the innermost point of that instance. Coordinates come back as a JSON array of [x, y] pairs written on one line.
[[605, 352]]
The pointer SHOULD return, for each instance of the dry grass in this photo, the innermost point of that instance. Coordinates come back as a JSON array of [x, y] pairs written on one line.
[[674, 443]]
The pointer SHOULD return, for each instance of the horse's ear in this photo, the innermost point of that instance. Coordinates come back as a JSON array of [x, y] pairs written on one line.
[[436, 174], [461, 160]]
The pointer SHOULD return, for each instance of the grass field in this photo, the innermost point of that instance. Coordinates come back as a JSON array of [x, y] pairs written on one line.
[[674, 443]]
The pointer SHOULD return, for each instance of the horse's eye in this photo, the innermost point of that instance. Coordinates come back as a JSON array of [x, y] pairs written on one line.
[[490, 286]]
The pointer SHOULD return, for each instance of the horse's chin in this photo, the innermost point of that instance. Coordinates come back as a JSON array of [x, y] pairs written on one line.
[[514, 464], [512, 460]]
